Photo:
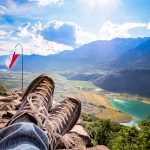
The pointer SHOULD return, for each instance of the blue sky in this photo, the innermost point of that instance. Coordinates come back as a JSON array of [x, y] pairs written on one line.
[[50, 26]]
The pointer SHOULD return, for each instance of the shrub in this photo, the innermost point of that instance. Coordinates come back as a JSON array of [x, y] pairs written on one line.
[[101, 131], [115, 136], [2, 89]]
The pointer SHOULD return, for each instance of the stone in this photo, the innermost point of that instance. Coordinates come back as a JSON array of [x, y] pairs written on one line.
[[5, 99], [79, 130], [2, 113], [11, 113], [74, 141], [17, 103], [99, 147]]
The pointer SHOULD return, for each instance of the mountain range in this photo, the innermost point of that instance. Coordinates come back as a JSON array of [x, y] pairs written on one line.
[[98, 54]]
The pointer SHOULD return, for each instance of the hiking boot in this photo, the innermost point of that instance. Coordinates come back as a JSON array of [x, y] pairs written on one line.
[[36, 101], [61, 120]]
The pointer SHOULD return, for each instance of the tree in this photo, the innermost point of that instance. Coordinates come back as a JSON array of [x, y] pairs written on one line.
[[100, 130], [131, 138]]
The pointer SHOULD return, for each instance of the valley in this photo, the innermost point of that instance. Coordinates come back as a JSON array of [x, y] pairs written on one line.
[[94, 99]]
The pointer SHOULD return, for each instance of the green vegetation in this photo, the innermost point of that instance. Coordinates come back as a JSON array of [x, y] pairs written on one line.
[[2, 89], [116, 136]]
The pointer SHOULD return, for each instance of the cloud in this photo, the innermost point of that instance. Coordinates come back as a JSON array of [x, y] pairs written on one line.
[[16, 12], [60, 32], [47, 2], [3, 34], [148, 26], [14, 8], [2, 9], [26, 8], [111, 30], [67, 33], [54, 37], [29, 36], [23, 31], [83, 37], [33, 46]]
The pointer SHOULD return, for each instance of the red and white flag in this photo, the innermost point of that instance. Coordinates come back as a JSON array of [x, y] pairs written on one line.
[[11, 59]]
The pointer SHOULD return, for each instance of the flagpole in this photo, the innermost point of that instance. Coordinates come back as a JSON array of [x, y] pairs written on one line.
[[22, 62]]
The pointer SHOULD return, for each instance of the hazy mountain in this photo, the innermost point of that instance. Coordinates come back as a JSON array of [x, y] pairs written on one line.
[[127, 81], [2, 60], [98, 52], [135, 58]]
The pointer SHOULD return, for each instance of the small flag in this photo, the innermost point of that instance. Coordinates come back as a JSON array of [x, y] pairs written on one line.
[[11, 59]]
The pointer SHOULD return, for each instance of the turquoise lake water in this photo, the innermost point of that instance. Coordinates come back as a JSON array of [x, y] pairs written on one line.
[[137, 110]]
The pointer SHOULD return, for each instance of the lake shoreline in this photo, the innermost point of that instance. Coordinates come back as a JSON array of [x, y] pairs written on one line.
[[136, 109]]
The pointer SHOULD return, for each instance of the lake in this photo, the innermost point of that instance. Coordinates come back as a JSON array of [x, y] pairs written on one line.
[[137, 110]]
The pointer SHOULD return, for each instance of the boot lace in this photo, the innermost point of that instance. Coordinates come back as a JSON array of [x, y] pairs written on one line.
[[43, 90], [59, 117], [55, 121], [37, 102], [49, 126]]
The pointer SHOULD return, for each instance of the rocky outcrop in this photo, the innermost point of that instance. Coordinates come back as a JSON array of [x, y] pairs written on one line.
[[9, 104], [77, 138]]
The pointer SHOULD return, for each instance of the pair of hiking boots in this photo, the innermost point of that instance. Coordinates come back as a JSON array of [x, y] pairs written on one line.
[[36, 104]]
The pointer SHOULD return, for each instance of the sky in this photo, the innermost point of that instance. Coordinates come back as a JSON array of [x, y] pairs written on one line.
[[50, 26]]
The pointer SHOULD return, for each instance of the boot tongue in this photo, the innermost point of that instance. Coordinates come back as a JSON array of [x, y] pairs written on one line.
[[25, 118]]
